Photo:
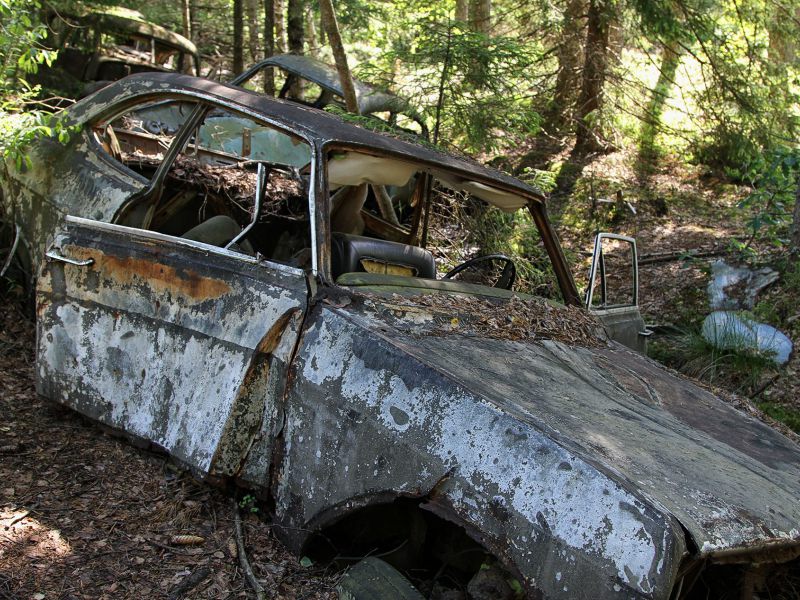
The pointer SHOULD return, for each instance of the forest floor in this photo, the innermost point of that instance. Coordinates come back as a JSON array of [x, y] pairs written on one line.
[[680, 210], [87, 515]]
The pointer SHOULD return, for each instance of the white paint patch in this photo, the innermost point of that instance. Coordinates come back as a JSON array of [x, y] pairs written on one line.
[[582, 508]]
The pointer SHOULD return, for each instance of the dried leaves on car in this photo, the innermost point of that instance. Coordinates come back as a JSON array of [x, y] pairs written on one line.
[[515, 318]]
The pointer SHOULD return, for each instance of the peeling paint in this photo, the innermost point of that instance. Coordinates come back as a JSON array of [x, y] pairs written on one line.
[[170, 354], [580, 468]]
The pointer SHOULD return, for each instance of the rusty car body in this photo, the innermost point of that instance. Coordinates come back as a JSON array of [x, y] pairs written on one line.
[[277, 355], [321, 86], [108, 43]]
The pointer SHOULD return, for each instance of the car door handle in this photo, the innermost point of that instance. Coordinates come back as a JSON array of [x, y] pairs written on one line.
[[70, 261]]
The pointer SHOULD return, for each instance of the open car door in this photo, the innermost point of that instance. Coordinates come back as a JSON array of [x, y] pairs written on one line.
[[613, 293], [179, 343]]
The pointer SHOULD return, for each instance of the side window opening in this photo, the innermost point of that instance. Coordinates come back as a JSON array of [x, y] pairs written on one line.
[[236, 184], [139, 138]]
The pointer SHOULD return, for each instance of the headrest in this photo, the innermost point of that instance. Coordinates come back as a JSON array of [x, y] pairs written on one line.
[[354, 253]]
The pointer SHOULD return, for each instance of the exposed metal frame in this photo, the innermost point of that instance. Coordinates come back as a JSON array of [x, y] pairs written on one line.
[[598, 261]]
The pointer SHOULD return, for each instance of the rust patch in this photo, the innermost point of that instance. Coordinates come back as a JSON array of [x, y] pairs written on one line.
[[273, 336], [161, 278]]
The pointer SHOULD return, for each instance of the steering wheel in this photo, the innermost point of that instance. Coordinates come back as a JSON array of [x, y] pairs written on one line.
[[507, 277]]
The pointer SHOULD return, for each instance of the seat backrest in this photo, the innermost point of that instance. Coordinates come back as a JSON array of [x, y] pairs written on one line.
[[355, 253], [218, 231]]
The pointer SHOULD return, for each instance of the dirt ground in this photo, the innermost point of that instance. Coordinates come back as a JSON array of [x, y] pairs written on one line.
[[87, 515], [679, 209]]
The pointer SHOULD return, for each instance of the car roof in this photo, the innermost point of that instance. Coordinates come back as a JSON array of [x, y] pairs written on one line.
[[370, 99], [316, 125], [127, 21]]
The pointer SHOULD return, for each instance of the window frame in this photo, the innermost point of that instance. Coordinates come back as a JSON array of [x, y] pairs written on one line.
[[203, 104]]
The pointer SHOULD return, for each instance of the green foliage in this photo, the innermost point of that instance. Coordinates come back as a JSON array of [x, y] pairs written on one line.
[[538, 178], [741, 371], [773, 178], [378, 126], [248, 503], [779, 305], [784, 414], [515, 235], [20, 42], [471, 84], [660, 19], [749, 99], [22, 52]]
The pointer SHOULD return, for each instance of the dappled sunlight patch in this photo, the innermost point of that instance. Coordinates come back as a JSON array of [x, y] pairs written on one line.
[[712, 231], [27, 542]]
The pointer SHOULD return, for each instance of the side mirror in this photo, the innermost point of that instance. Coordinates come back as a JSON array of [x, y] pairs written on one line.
[[614, 275]]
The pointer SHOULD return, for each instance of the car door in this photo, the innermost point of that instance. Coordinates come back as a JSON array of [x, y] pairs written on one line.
[[613, 293], [179, 343]]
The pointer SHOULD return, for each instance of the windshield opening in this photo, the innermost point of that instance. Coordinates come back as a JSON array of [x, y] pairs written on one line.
[[400, 219]]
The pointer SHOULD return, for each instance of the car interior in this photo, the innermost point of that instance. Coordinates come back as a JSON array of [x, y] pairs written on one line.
[[243, 185]]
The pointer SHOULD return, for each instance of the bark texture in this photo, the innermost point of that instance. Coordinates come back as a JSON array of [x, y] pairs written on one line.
[[670, 59], [269, 45], [462, 10], [251, 7], [238, 36], [295, 31], [480, 17], [795, 241], [186, 15], [280, 26], [312, 39], [569, 64], [331, 27], [593, 80]]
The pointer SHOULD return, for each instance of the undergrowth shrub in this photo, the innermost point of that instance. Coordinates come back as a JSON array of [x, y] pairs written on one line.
[[742, 371]]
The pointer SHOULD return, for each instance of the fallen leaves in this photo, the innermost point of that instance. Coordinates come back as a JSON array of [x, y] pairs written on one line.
[[516, 318], [84, 515]]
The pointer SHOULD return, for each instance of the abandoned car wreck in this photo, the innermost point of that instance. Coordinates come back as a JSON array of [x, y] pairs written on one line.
[[243, 282]]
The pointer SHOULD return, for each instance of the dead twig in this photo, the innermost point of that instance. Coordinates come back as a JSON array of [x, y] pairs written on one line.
[[764, 386], [189, 582], [647, 259], [248, 571], [18, 518]]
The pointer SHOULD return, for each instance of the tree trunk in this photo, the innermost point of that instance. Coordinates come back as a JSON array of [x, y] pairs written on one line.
[[311, 32], [670, 59], [238, 36], [795, 241], [593, 80], [782, 44], [331, 28], [569, 63], [295, 34], [269, 45], [462, 10], [280, 27], [251, 7], [480, 18], [186, 14]]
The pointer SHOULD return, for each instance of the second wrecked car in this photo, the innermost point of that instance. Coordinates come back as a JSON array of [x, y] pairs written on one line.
[[283, 333]]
